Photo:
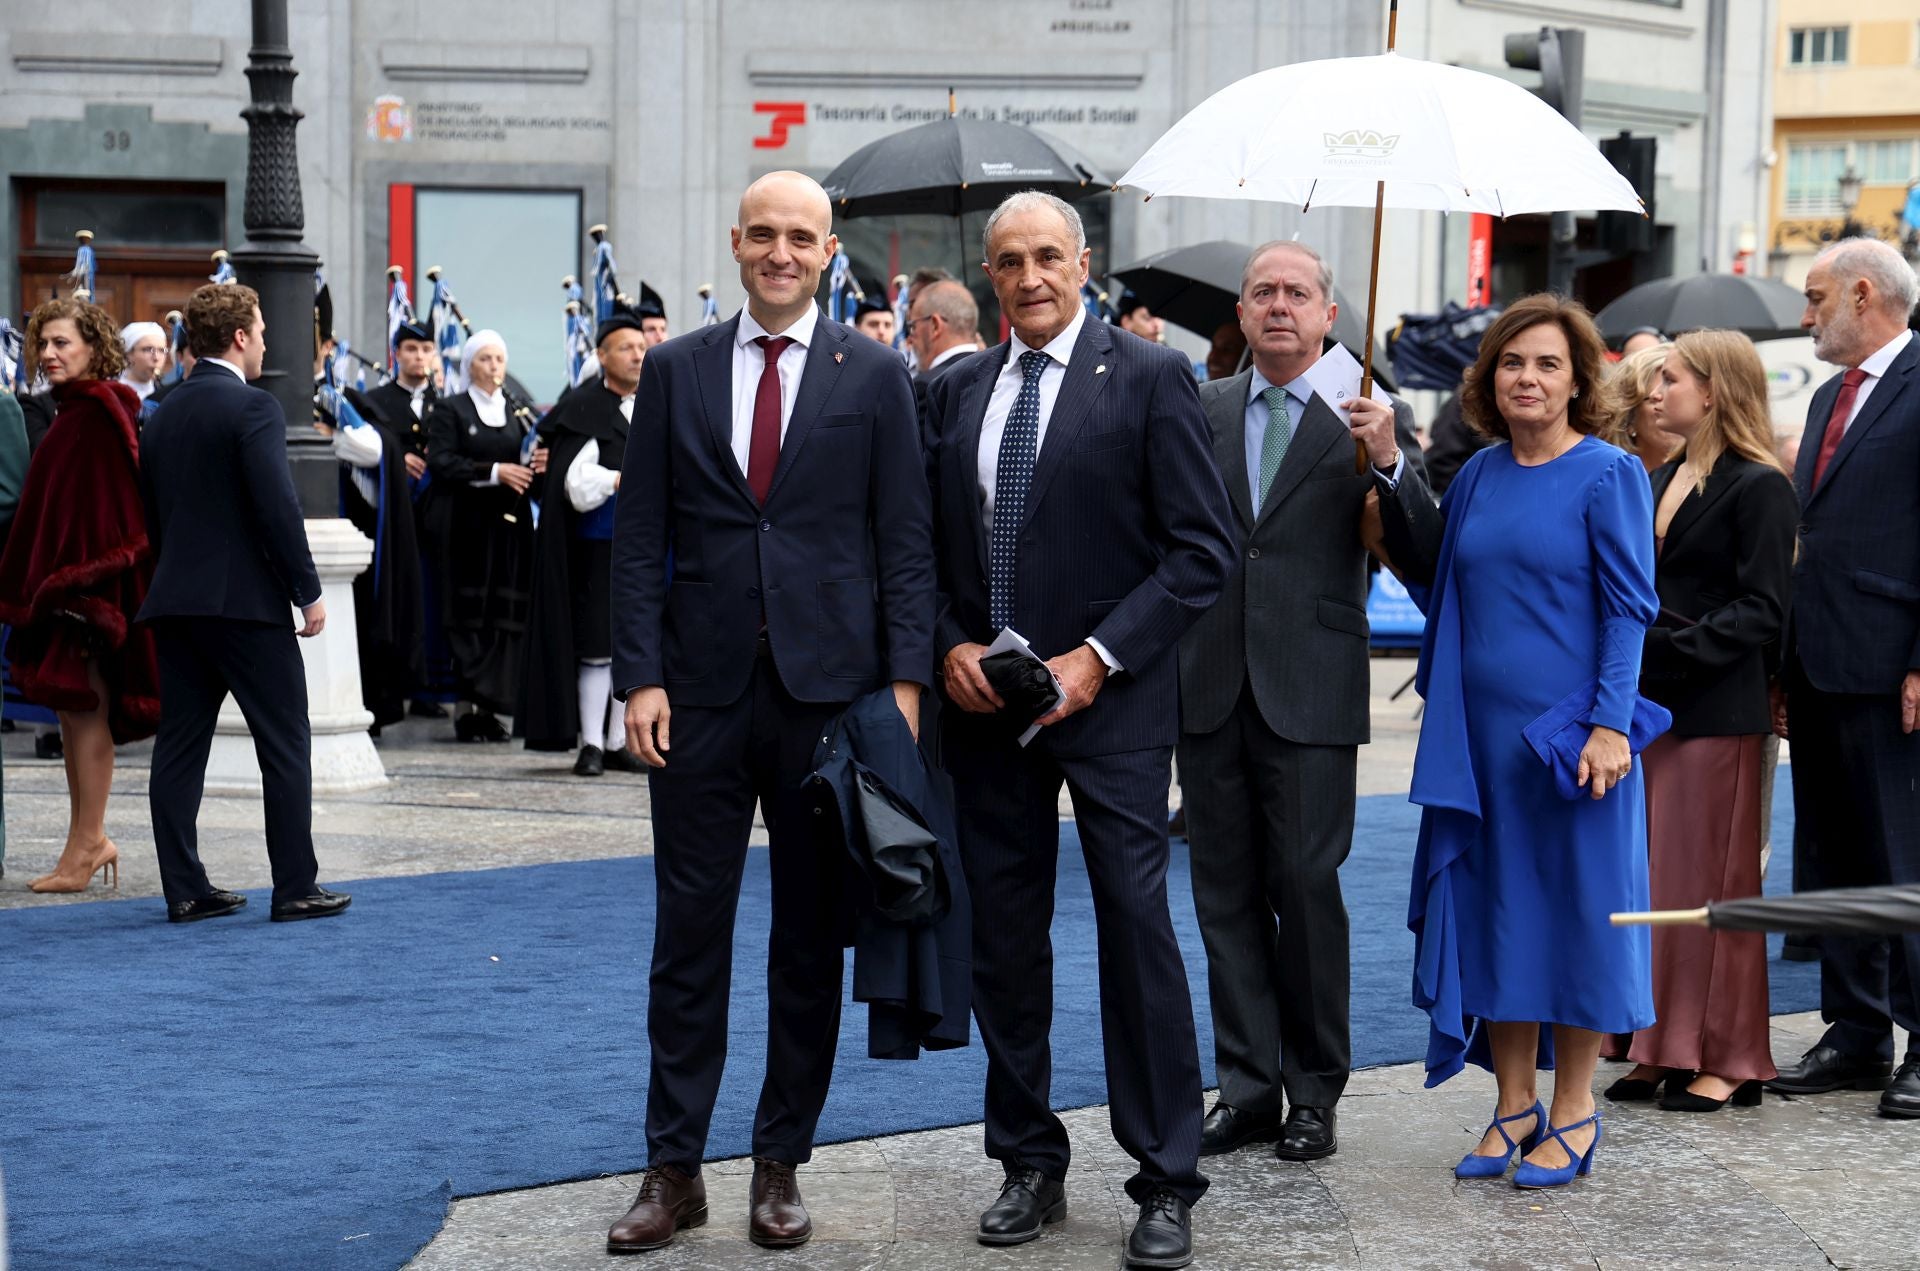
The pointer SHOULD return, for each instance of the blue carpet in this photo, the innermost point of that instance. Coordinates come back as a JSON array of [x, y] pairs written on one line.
[[237, 1094]]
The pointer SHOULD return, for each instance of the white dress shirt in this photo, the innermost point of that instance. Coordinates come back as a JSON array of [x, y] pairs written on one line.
[[416, 395], [749, 361], [1875, 366], [588, 483], [1299, 397], [953, 354], [492, 409], [1006, 391], [220, 361]]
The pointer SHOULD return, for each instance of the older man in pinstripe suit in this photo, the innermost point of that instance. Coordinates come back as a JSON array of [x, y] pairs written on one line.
[[1078, 503]]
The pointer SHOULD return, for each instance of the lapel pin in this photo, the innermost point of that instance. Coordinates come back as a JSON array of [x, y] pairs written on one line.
[[838, 358], [1100, 369]]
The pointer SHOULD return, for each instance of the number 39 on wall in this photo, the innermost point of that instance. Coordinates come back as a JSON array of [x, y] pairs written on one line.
[[111, 140]]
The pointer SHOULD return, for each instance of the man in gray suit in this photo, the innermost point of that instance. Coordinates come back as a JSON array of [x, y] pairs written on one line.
[[1273, 707]]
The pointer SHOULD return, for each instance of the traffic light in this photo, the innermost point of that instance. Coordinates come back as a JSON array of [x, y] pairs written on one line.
[[1624, 233], [1559, 54]]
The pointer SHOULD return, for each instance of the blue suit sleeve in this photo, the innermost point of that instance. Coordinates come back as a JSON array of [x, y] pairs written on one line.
[[1620, 536], [902, 531], [1187, 500], [641, 538], [276, 508]]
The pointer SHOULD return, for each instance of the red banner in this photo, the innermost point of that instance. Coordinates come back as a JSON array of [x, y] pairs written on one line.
[[1480, 261]]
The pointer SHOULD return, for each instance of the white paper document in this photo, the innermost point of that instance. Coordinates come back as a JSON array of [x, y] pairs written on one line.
[[1336, 380], [1010, 640]]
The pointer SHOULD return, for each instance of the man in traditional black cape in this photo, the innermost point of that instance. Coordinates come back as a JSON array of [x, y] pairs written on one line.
[[566, 687]]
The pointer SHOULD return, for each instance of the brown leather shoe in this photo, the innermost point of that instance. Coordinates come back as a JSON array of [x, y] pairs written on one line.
[[778, 1217], [668, 1201]]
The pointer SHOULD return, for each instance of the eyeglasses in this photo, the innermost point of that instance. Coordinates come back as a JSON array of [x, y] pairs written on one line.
[[906, 332]]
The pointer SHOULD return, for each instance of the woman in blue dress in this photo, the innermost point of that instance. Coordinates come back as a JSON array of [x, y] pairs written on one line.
[[1537, 600]]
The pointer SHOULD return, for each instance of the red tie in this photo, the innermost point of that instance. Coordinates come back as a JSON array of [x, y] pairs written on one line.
[[1836, 422], [763, 451]]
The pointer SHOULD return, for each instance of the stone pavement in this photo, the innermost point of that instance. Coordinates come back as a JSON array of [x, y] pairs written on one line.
[[1799, 1182]]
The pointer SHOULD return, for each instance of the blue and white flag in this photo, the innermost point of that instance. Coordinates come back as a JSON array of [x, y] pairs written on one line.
[[606, 289], [843, 291], [709, 307], [579, 342], [444, 319], [222, 268], [1910, 214], [343, 351], [1095, 302], [13, 344], [399, 310], [902, 301]]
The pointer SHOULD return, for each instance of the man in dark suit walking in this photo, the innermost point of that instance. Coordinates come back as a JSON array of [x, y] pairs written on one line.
[[774, 460], [1852, 675], [1078, 504], [230, 565], [1274, 688]]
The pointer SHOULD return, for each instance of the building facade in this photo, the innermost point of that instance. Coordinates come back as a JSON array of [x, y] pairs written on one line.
[[1846, 105], [485, 137]]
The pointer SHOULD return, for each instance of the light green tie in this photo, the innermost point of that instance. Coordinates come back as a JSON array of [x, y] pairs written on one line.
[[1273, 447]]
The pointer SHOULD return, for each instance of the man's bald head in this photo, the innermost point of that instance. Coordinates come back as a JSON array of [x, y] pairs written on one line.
[[788, 189], [783, 242]]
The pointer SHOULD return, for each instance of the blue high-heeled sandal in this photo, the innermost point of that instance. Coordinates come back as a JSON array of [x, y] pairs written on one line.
[[1474, 1165], [1531, 1175]]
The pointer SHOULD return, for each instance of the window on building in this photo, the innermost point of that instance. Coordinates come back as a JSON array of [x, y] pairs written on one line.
[[514, 292], [1817, 45], [1888, 162], [1813, 179]]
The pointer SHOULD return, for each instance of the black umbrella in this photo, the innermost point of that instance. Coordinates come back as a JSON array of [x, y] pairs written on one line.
[[1854, 911], [955, 165], [1197, 287], [1759, 308]]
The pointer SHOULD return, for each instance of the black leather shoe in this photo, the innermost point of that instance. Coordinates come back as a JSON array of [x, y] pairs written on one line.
[[591, 763], [1162, 1237], [1228, 1127], [420, 708], [1902, 1098], [322, 904], [621, 759], [48, 746], [217, 905], [479, 727], [1308, 1134], [1823, 1068], [1028, 1201]]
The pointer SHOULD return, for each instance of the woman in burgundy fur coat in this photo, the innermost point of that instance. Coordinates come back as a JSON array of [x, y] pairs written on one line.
[[75, 570]]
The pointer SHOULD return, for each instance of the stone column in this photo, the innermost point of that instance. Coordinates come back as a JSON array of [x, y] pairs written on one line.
[[344, 759]]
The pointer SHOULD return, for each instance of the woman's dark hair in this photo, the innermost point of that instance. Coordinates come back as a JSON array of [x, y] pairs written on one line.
[[98, 332], [1587, 412]]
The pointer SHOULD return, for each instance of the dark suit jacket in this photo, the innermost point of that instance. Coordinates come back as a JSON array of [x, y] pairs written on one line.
[[916, 976], [1127, 534], [839, 560], [394, 405], [1724, 576], [1293, 617], [1856, 585], [228, 536]]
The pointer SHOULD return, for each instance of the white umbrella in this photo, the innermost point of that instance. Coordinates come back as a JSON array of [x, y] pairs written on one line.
[[1443, 138], [1389, 131]]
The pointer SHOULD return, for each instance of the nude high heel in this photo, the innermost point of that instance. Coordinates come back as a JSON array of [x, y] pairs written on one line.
[[107, 864]]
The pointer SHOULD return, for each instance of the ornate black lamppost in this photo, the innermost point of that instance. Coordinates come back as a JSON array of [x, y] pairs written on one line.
[[273, 260]]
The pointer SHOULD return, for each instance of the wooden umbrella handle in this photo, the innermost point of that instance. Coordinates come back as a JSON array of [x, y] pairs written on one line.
[[1663, 918]]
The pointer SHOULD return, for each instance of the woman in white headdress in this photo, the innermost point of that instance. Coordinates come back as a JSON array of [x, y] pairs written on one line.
[[146, 348], [482, 532]]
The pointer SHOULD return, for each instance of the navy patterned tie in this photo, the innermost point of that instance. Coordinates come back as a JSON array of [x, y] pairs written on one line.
[[1019, 444]]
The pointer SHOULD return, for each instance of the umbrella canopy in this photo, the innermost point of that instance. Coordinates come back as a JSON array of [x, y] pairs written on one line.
[[1854, 911], [954, 165], [1759, 308], [1442, 138], [1196, 287]]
